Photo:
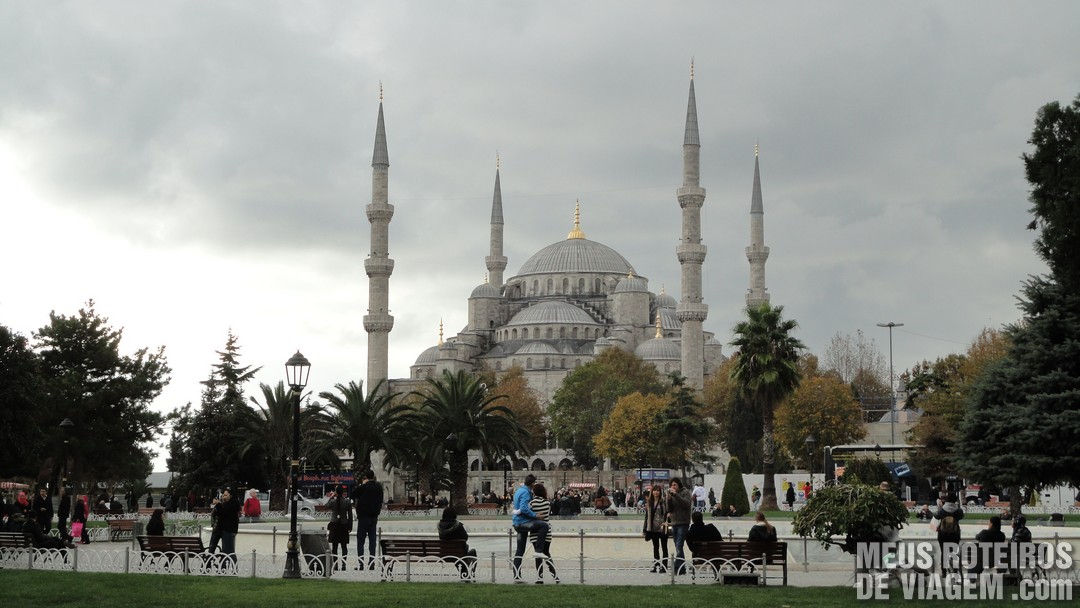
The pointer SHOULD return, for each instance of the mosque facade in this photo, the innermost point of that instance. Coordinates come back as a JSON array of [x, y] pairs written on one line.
[[566, 303]]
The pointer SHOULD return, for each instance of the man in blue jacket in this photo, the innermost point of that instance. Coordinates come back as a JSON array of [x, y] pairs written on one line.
[[525, 523]]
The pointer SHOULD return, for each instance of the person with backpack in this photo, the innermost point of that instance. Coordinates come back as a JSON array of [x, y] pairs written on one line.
[[946, 524]]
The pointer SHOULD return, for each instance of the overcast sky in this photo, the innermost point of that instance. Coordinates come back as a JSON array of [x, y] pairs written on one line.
[[199, 166]]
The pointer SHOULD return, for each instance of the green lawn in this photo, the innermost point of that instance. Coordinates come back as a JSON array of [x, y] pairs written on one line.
[[57, 589]]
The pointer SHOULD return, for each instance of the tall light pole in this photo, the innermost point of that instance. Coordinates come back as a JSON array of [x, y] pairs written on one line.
[[297, 369], [810, 443], [65, 429], [892, 383]]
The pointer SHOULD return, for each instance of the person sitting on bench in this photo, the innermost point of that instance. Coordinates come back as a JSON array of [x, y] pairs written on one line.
[[451, 529], [700, 532], [38, 540], [762, 531]]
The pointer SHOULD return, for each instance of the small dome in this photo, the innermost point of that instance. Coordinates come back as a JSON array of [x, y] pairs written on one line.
[[713, 342], [559, 312], [665, 300], [428, 356], [631, 284], [668, 319], [538, 348], [486, 290], [576, 255], [658, 349]]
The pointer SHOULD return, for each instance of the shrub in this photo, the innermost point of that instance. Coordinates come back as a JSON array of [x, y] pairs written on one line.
[[734, 489]]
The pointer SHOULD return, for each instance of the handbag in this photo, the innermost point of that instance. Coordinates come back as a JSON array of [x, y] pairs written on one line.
[[76, 529]]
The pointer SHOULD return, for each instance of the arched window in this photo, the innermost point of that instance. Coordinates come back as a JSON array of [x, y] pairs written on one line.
[[491, 324], [547, 362], [573, 333], [513, 333], [596, 286], [528, 363], [536, 333], [566, 285], [498, 366], [577, 362], [596, 333], [562, 363], [536, 287], [581, 285], [562, 332], [550, 288], [538, 465], [475, 466], [548, 333]]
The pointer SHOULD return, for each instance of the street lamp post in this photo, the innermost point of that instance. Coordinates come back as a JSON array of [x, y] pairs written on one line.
[[810, 442], [892, 384], [65, 429], [297, 369]]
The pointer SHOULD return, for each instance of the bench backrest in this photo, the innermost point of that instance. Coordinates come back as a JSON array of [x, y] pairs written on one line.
[[775, 553], [14, 540], [122, 524], [423, 547], [175, 544]]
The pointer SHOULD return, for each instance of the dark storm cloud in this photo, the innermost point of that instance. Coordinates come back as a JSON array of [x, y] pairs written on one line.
[[890, 138]]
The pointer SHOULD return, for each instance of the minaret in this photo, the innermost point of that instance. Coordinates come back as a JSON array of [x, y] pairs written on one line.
[[691, 311], [496, 261], [378, 265], [757, 252]]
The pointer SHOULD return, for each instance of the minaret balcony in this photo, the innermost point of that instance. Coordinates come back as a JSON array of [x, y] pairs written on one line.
[[757, 255], [378, 267], [692, 311], [375, 324], [691, 253], [496, 262], [380, 213], [691, 196]]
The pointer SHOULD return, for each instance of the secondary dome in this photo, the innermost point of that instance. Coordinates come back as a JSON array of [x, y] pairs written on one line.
[[658, 349], [538, 348], [631, 284], [486, 290], [428, 356], [558, 312], [665, 300], [576, 255]]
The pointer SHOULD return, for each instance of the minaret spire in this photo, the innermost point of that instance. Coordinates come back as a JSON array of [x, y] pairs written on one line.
[[496, 261], [691, 311], [576, 232], [757, 253], [378, 264], [659, 326]]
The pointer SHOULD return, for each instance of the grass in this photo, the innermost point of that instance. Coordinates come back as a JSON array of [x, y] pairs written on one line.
[[59, 589]]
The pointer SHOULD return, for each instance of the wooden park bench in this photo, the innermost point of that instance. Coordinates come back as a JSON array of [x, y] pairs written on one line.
[[13, 540], [758, 556], [404, 506], [450, 551], [183, 546], [120, 529], [485, 506], [146, 510]]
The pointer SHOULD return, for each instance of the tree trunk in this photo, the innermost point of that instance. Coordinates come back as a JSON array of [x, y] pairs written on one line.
[[768, 466], [459, 481], [1014, 501]]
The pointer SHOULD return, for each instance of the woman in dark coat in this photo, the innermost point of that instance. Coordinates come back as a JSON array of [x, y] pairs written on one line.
[[340, 526], [156, 525], [655, 529], [79, 516]]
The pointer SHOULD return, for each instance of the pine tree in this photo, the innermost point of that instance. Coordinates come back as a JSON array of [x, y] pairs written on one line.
[[734, 490]]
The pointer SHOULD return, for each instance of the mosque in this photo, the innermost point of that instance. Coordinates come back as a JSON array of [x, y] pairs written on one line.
[[567, 302]]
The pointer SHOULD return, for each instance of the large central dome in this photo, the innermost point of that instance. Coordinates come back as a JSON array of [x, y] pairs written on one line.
[[576, 255]]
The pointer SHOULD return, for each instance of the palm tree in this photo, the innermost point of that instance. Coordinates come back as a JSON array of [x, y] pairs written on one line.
[[363, 423], [269, 428], [766, 370], [458, 414]]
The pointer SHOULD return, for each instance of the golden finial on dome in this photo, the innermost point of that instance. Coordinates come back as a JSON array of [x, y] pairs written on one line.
[[691, 68], [440, 332], [576, 233], [755, 149], [661, 289], [486, 279], [380, 91], [659, 329], [498, 161]]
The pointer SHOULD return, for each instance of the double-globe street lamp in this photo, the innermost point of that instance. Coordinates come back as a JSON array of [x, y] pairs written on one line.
[[65, 431], [810, 442], [297, 369]]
